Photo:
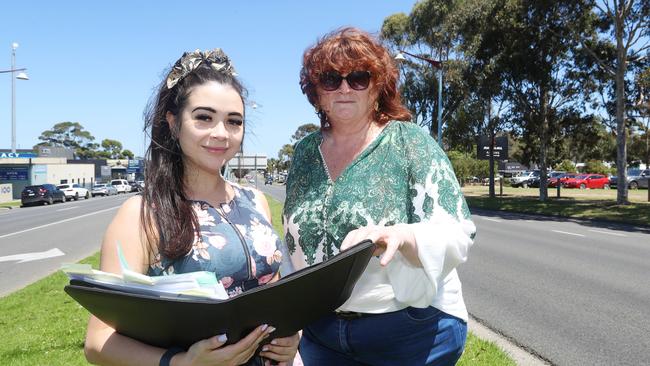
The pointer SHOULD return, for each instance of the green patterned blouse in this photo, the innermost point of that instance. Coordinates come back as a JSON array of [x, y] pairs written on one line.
[[386, 184]]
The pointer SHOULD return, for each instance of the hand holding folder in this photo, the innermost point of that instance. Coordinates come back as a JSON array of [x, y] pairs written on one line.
[[288, 304]]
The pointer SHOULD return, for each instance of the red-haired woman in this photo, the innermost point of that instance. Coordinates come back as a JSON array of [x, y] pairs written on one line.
[[368, 175]]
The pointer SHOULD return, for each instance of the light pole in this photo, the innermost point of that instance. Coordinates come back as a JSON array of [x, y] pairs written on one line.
[[21, 76], [437, 65]]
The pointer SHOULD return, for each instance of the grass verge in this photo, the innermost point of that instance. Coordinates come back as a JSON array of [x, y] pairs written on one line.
[[581, 204], [10, 204], [41, 325]]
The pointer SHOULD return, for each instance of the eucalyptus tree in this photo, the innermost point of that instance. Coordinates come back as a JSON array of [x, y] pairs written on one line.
[[626, 26]]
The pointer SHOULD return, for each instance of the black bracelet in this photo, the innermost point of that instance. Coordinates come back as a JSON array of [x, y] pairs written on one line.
[[167, 356]]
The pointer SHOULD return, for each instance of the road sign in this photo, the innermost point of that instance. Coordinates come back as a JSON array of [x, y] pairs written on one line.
[[499, 152]]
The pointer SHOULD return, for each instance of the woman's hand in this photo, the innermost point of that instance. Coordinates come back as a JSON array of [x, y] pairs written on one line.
[[388, 239], [210, 351], [282, 350]]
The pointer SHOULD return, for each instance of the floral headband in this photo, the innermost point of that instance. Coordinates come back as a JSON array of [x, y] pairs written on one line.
[[216, 58]]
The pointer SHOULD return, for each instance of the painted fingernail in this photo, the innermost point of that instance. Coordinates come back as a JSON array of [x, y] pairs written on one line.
[[265, 348], [264, 326], [222, 338], [270, 330], [274, 342]]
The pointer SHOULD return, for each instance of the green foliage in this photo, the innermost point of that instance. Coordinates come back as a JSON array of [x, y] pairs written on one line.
[[595, 166], [303, 130], [566, 166], [73, 135]]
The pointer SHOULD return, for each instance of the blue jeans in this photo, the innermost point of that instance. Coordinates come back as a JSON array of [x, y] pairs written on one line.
[[411, 336]]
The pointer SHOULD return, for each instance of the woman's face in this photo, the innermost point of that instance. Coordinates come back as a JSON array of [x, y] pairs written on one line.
[[347, 105], [212, 126]]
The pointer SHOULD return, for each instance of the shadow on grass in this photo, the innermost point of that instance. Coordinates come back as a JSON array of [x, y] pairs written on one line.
[[594, 213]]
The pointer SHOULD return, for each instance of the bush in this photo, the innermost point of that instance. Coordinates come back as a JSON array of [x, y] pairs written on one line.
[[595, 166], [566, 166]]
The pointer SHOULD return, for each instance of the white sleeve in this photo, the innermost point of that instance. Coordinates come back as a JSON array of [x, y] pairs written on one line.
[[442, 228]]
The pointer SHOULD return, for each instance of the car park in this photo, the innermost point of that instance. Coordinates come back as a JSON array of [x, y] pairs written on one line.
[[636, 178], [74, 191], [103, 189], [41, 194], [121, 185], [584, 181]]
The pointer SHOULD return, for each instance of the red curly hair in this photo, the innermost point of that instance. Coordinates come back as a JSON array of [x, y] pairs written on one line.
[[346, 50]]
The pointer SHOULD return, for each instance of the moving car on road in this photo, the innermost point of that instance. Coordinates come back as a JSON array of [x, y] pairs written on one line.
[[74, 191], [42, 193]]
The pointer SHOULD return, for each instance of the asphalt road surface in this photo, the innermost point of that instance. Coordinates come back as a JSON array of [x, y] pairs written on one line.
[[35, 241]]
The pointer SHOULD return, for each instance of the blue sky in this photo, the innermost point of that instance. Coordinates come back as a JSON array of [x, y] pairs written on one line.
[[97, 62]]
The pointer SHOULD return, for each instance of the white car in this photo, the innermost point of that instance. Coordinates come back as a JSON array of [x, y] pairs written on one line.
[[74, 191], [121, 185]]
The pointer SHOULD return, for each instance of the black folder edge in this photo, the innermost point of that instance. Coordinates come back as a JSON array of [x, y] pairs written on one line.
[[362, 252]]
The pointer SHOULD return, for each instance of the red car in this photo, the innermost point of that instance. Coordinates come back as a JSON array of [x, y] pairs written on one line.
[[583, 181], [552, 182]]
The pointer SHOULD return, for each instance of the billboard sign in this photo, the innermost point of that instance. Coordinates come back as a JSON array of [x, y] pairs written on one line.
[[499, 152]]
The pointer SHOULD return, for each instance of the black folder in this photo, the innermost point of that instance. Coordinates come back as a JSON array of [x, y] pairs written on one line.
[[288, 305]]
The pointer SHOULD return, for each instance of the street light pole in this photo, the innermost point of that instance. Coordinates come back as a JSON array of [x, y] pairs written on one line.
[[21, 76], [438, 66]]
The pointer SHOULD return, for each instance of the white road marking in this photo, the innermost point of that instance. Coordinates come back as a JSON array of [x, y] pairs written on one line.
[[566, 232], [28, 257], [68, 208], [608, 233], [58, 222], [489, 219]]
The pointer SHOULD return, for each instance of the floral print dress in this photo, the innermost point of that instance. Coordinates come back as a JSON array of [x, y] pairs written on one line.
[[235, 241]]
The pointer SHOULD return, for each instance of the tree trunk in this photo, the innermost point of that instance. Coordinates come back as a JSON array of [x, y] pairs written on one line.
[[543, 144], [621, 148], [491, 139]]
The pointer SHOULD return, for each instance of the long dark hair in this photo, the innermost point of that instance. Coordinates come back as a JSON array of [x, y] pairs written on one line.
[[167, 217]]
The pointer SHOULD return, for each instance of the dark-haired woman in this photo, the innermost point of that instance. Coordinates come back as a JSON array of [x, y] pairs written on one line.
[[190, 219], [368, 175]]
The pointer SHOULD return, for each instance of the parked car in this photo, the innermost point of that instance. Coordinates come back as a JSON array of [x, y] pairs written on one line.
[[583, 181], [42, 193], [135, 187], [523, 179], [636, 178], [74, 191], [121, 185], [551, 176], [561, 179], [103, 189], [268, 180]]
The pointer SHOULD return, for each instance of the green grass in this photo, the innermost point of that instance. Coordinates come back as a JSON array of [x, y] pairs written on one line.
[[14, 203], [41, 325], [593, 204], [483, 353]]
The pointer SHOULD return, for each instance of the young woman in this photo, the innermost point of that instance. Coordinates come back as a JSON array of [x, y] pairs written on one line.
[[190, 219]]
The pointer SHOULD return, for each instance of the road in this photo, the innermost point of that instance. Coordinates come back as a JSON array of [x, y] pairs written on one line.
[[61, 233], [573, 293]]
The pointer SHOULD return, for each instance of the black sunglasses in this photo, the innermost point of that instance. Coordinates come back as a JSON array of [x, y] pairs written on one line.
[[357, 80]]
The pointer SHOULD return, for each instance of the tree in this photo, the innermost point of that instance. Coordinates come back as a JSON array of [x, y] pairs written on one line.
[[304, 130], [628, 23], [284, 156], [71, 135], [112, 148]]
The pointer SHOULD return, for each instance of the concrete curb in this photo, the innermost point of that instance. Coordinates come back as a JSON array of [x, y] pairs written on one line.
[[521, 356]]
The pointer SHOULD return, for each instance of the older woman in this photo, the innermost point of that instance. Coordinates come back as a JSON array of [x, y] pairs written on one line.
[[368, 175]]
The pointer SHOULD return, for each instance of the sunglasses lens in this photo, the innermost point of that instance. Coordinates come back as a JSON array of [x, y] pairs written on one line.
[[358, 80], [330, 80]]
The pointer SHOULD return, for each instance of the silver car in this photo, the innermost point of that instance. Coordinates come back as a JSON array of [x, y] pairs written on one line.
[[103, 190]]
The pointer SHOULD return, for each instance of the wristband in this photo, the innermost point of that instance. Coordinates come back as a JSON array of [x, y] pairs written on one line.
[[167, 356]]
